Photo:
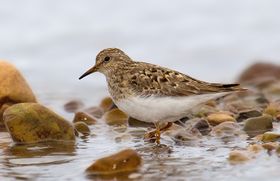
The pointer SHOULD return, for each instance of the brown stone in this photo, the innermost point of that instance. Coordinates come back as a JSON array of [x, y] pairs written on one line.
[[84, 117], [258, 125], [115, 117], [248, 114], [270, 136], [82, 127], [124, 161], [73, 106], [107, 104], [217, 118], [13, 88], [226, 129], [237, 157], [32, 122], [272, 109]]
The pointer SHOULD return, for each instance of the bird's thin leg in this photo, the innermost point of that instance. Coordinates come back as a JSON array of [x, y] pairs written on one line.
[[157, 133]]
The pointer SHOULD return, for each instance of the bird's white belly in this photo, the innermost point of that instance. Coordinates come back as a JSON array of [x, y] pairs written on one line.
[[161, 109]]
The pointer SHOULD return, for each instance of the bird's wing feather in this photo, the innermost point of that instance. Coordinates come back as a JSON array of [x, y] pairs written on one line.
[[148, 80]]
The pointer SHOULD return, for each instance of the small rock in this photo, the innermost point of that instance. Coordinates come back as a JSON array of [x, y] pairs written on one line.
[[84, 117], [238, 156], [259, 71], [272, 109], [107, 104], [73, 106], [278, 117], [115, 117], [82, 127], [31, 122], [255, 148], [258, 125], [95, 111], [136, 123], [270, 136], [124, 161], [203, 126], [248, 114], [226, 129], [13, 88], [217, 118], [270, 146]]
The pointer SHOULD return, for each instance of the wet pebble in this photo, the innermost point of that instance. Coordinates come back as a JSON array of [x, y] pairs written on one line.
[[115, 117], [258, 125], [238, 156], [73, 106], [84, 117], [32, 122], [82, 127], [248, 114], [124, 161], [270, 136], [218, 118], [226, 129], [200, 124], [107, 104], [272, 109]]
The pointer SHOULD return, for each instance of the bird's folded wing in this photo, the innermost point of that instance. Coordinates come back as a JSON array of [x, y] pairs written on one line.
[[152, 80]]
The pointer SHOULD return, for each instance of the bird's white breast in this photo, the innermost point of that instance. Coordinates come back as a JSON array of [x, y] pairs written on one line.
[[154, 109]]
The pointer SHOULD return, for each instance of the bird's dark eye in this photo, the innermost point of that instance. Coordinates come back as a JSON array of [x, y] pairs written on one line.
[[106, 59]]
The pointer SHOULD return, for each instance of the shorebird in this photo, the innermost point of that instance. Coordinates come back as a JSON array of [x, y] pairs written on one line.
[[152, 93]]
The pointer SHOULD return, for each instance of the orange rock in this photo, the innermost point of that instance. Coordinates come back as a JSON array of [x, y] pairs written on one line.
[[124, 161], [217, 118], [13, 87], [238, 156]]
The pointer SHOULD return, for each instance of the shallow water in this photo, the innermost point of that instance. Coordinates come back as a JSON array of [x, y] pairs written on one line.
[[53, 42], [202, 159]]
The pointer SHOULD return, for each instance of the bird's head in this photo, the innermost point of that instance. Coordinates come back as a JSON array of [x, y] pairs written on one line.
[[108, 60]]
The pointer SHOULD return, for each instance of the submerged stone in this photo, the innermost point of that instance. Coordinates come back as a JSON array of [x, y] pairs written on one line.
[[84, 117], [82, 127], [238, 156], [124, 161], [137, 123], [115, 117], [13, 88], [32, 122], [258, 125]]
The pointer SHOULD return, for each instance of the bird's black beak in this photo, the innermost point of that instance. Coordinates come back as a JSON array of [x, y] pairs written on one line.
[[90, 71]]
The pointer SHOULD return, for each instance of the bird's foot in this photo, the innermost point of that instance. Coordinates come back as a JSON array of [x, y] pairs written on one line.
[[154, 136]]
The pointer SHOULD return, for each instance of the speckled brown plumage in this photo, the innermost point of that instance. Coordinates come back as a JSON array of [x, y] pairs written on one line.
[[126, 77]]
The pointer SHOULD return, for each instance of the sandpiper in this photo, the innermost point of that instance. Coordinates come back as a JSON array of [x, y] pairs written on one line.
[[152, 93]]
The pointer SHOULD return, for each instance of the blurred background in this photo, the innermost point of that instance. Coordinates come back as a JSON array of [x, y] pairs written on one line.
[[54, 41]]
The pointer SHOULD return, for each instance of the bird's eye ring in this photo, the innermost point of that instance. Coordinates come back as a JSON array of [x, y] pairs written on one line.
[[106, 59]]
